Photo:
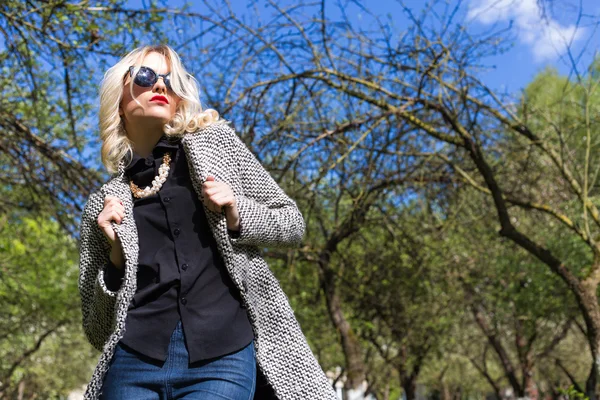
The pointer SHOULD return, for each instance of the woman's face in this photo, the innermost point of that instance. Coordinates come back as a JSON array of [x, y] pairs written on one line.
[[152, 110]]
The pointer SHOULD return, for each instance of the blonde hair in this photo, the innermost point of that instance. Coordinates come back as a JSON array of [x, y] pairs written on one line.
[[188, 118]]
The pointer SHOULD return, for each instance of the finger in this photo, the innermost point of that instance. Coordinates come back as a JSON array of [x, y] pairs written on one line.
[[114, 205], [219, 203], [215, 191], [118, 209], [112, 199], [216, 207], [210, 194], [116, 217], [106, 217], [209, 205], [222, 198], [211, 184], [115, 209]]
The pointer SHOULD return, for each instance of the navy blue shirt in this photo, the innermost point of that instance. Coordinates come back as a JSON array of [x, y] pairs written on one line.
[[181, 274]]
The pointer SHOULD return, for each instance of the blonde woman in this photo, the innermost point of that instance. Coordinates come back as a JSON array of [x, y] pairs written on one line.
[[174, 290]]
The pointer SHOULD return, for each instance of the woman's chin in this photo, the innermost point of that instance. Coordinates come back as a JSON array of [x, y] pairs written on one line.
[[156, 118]]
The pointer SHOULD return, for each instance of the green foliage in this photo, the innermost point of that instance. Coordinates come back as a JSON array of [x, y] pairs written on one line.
[[300, 283], [42, 345], [573, 394]]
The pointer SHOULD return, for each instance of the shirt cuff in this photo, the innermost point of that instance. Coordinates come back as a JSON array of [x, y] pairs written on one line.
[[113, 276]]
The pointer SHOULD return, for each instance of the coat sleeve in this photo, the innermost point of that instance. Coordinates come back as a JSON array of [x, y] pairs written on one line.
[[268, 216], [97, 301]]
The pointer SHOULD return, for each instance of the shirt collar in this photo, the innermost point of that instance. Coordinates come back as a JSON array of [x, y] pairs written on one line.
[[163, 145]]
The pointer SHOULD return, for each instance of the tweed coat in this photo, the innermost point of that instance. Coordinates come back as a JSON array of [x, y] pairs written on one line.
[[268, 217]]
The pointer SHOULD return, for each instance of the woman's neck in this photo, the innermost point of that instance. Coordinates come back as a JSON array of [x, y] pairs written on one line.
[[144, 138]]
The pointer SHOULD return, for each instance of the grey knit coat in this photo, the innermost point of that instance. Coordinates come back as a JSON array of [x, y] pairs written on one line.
[[268, 217]]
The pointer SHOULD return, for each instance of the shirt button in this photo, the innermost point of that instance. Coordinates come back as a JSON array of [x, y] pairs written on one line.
[[176, 231], [184, 266], [167, 199], [183, 300]]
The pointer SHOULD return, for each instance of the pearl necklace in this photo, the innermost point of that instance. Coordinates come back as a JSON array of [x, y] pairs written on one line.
[[157, 182]]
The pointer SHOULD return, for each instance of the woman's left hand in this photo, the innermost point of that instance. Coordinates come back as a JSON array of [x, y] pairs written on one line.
[[218, 197]]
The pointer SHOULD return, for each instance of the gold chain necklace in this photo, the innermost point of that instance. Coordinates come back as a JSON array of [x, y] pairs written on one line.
[[157, 182]]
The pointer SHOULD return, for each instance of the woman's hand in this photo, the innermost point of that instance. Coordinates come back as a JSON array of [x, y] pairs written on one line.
[[218, 197], [113, 211]]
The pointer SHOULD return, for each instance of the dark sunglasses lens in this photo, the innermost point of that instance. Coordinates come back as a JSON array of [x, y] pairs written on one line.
[[145, 77]]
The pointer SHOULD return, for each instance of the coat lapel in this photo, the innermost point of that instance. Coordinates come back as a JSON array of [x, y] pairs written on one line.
[[204, 160], [126, 231]]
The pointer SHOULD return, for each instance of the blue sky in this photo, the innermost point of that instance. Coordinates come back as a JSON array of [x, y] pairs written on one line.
[[538, 43]]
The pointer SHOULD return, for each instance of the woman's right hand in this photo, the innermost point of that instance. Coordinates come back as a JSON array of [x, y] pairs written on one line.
[[113, 211]]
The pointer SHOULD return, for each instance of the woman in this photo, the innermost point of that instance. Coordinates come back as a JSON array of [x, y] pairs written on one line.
[[175, 293]]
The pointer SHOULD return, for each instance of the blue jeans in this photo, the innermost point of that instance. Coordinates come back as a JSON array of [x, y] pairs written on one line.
[[132, 376]]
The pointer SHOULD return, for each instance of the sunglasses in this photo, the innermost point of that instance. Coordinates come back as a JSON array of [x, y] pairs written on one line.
[[147, 77]]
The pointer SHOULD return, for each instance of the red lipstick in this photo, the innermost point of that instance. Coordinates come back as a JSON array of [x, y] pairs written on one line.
[[160, 98]]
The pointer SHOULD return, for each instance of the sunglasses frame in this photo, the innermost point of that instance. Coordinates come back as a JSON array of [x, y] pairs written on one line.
[[156, 75]]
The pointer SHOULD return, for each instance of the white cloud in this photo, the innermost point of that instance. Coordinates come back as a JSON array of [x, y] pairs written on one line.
[[547, 37]]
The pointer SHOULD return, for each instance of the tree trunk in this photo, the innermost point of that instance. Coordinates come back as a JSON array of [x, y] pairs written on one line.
[[529, 386], [410, 388], [386, 392], [446, 395], [21, 390], [588, 302], [585, 291], [458, 393], [495, 342], [350, 344]]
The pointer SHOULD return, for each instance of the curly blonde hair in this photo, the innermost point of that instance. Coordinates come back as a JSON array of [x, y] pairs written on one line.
[[188, 118]]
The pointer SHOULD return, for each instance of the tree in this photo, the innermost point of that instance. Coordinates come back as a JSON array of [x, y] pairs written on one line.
[[51, 49], [425, 85], [40, 317]]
